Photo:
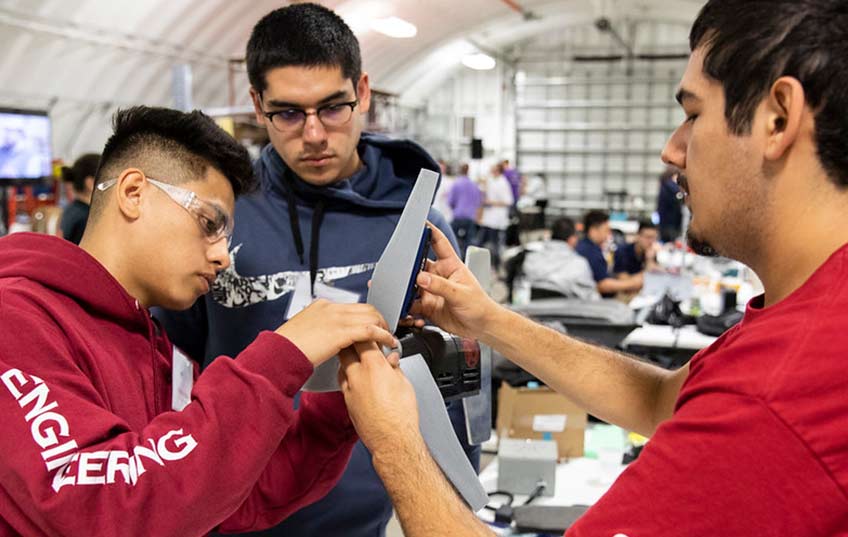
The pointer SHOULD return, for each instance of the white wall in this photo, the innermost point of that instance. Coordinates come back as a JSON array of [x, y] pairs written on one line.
[[591, 127], [488, 97]]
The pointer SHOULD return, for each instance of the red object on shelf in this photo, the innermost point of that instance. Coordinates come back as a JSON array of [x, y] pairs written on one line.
[[11, 205], [29, 200]]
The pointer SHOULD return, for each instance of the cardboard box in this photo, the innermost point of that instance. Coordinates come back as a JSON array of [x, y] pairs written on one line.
[[532, 412]]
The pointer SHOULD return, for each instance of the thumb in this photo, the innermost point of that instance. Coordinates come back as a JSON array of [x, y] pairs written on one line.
[[348, 360], [347, 357], [439, 286], [342, 378]]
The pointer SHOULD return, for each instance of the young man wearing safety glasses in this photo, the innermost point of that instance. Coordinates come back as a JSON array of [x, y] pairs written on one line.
[[107, 428]]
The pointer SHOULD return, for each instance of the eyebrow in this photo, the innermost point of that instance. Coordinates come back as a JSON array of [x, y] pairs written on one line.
[[285, 104], [685, 95]]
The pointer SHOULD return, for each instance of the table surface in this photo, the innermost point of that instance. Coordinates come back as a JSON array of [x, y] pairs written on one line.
[[580, 481], [666, 337]]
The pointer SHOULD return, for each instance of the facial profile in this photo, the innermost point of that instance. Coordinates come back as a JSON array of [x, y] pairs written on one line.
[[186, 256], [720, 171], [759, 105], [647, 237], [164, 199]]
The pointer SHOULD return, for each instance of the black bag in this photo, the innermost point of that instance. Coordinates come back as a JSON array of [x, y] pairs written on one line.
[[667, 312], [716, 325]]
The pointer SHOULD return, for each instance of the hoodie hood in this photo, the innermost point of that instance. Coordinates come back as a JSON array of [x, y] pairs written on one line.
[[67, 269], [390, 168]]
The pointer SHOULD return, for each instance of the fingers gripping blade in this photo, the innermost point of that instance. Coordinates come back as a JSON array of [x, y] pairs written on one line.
[[392, 273]]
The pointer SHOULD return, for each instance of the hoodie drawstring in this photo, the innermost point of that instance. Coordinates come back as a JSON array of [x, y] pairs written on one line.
[[317, 217], [294, 221]]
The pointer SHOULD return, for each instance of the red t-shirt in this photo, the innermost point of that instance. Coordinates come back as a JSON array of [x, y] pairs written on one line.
[[758, 443]]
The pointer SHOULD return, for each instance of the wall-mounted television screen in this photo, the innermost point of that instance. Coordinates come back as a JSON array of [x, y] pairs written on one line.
[[24, 144]]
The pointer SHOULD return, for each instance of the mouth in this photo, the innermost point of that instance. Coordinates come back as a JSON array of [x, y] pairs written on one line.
[[208, 280], [317, 161]]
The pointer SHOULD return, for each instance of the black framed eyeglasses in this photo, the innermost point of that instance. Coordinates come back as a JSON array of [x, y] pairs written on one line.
[[330, 115]]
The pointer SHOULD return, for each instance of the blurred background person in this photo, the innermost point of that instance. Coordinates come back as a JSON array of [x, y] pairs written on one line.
[[670, 205], [81, 176], [554, 265], [464, 201], [440, 202], [513, 176], [533, 201], [639, 255], [597, 234], [494, 220]]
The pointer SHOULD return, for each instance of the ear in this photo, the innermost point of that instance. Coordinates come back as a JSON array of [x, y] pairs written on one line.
[[128, 192], [785, 111], [363, 93], [257, 106]]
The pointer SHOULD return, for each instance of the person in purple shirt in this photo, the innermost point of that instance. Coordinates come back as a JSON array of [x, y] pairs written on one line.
[[464, 199], [514, 177]]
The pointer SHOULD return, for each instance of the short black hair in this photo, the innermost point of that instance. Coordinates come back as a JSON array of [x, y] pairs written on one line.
[[749, 45], [562, 229], [593, 219], [84, 167], [306, 35], [646, 224], [173, 146]]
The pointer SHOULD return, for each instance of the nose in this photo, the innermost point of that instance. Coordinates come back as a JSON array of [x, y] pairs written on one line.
[[674, 152], [219, 255], [314, 132]]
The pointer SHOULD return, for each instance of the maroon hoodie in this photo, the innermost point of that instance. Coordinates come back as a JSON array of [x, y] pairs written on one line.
[[89, 443]]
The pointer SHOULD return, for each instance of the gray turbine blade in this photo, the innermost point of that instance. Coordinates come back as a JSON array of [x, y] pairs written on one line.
[[478, 408], [388, 289], [325, 378], [439, 435], [392, 273]]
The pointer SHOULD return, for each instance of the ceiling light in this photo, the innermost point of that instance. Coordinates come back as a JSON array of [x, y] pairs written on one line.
[[478, 61], [394, 27]]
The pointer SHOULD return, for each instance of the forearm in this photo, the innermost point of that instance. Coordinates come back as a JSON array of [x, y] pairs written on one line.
[[307, 464], [612, 386], [425, 502], [623, 284]]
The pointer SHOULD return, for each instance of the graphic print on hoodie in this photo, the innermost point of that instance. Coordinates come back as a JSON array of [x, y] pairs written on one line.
[[348, 225]]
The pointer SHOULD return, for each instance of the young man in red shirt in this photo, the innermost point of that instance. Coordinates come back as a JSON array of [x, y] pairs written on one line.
[[107, 429], [750, 437]]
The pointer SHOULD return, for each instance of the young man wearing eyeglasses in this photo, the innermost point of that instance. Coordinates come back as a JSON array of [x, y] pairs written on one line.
[[330, 199], [107, 429]]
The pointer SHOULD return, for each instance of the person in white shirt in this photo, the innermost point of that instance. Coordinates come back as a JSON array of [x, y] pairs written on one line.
[[494, 220], [555, 266]]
